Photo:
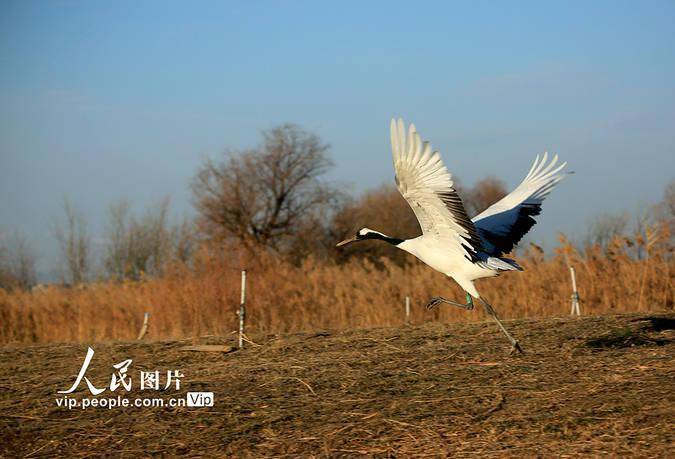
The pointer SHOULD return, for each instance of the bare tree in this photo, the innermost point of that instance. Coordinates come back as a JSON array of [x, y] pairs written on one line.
[[17, 262], [183, 240], [605, 228], [669, 199], [75, 245], [663, 217], [652, 225], [116, 259], [665, 210], [5, 273], [137, 247], [381, 209], [266, 195]]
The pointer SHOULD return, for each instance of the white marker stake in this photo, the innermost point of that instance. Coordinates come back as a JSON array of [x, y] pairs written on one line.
[[144, 327], [575, 294], [242, 309], [407, 309]]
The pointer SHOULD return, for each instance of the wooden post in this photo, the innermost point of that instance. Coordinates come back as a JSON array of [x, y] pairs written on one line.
[[407, 310], [242, 309], [575, 294], [144, 327]]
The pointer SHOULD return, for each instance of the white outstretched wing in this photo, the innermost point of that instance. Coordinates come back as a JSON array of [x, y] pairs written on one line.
[[426, 184], [503, 224]]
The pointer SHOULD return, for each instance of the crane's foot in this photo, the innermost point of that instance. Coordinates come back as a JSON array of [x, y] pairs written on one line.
[[435, 301], [516, 349]]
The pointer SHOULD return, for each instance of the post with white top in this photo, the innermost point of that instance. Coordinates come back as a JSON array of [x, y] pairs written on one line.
[[575, 294], [407, 310], [242, 309]]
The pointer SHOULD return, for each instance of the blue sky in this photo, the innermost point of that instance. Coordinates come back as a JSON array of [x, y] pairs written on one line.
[[104, 100]]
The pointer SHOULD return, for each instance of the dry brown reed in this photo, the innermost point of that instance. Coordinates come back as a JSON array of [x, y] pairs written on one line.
[[632, 275]]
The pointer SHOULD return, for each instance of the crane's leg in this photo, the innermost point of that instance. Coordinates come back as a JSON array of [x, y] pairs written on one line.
[[438, 300], [514, 344]]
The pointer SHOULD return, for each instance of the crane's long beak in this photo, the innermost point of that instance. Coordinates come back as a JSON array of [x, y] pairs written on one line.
[[346, 241]]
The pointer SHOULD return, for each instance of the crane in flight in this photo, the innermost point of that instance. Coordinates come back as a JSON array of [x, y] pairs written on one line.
[[462, 248]]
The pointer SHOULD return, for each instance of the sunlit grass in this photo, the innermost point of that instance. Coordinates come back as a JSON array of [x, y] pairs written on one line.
[[282, 297]]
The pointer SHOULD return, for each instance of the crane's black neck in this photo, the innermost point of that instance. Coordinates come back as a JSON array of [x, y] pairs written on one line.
[[382, 237]]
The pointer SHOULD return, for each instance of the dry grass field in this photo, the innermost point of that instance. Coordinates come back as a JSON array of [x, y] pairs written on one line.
[[632, 275], [597, 386], [333, 370]]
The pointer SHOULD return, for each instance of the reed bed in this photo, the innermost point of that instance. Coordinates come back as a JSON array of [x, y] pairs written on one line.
[[632, 275]]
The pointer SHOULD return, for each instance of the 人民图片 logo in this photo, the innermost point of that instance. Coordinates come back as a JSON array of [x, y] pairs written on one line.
[[121, 378], [149, 379]]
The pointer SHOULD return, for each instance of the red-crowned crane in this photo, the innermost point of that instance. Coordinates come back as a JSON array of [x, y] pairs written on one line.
[[462, 248]]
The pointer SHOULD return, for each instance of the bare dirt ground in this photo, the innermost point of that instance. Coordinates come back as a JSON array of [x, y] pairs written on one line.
[[598, 386]]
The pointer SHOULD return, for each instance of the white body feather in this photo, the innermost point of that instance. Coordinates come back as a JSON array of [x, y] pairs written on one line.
[[448, 258]]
